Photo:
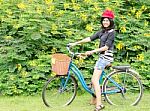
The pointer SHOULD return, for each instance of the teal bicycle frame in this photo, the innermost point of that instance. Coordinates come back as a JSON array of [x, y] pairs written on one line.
[[77, 72]]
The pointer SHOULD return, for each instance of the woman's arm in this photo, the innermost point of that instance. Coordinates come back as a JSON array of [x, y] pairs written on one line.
[[97, 50], [88, 39], [108, 44], [81, 41]]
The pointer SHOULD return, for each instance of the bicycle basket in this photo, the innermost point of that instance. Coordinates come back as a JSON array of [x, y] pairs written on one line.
[[60, 64]]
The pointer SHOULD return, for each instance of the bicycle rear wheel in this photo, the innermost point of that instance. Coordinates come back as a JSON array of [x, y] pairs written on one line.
[[131, 92], [56, 94]]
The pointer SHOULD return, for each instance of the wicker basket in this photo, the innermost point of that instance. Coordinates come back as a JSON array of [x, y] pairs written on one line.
[[60, 64]]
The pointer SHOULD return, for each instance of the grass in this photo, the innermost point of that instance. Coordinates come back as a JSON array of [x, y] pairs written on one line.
[[81, 103]]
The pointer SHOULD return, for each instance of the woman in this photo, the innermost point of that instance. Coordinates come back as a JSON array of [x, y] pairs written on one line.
[[106, 36]]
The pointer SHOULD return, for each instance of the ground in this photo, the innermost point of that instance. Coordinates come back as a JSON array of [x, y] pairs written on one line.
[[81, 103]]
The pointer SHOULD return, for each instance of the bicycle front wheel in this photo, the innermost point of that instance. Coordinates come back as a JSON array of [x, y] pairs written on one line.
[[57, 92], [130, 91]]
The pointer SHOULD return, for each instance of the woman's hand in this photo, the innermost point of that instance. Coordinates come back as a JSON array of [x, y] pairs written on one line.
[[72, 44], [82, 55], [89, 52], [81, 41]]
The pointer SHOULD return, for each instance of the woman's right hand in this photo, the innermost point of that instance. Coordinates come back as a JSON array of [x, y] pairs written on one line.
[[82, 55]]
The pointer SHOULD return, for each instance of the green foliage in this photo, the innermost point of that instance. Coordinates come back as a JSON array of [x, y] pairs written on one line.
[[32, 30]]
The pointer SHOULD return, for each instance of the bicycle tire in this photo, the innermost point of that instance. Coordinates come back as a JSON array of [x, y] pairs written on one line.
[[120, 98], [53, 95]]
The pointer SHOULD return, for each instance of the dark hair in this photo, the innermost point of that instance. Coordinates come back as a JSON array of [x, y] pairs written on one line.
[[111, 26]]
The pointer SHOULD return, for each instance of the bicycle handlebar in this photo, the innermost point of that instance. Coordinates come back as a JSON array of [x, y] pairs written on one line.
[[73, 53], [68, 48]]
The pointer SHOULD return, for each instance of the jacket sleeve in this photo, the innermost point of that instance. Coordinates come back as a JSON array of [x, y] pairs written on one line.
[[95, 36]]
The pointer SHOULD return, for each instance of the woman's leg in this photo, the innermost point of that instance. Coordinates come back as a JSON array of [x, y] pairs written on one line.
[[95, 82]]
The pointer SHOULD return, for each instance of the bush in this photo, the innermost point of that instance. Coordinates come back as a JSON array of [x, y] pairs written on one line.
[[32, 30]]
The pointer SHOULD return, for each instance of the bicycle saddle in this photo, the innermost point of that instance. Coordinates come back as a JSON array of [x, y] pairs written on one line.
[[124, 67]]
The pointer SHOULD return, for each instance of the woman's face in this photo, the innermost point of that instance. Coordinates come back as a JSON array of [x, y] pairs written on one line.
[[106, 22]]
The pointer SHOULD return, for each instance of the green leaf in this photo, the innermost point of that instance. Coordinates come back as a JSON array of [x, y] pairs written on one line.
[[36, 36]]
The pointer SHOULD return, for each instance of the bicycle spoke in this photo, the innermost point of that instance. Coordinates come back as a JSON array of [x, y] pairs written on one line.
[[131, 89], [55, 94]]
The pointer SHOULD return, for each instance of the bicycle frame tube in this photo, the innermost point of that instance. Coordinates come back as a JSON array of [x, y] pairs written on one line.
[[115, 83], [101, 77], [77, 72], [79, 75]]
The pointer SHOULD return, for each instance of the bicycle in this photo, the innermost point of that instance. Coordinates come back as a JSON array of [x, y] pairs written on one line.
[[121, 86]]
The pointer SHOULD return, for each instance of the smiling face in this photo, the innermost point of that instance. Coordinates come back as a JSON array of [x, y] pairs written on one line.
[[106, 22]]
